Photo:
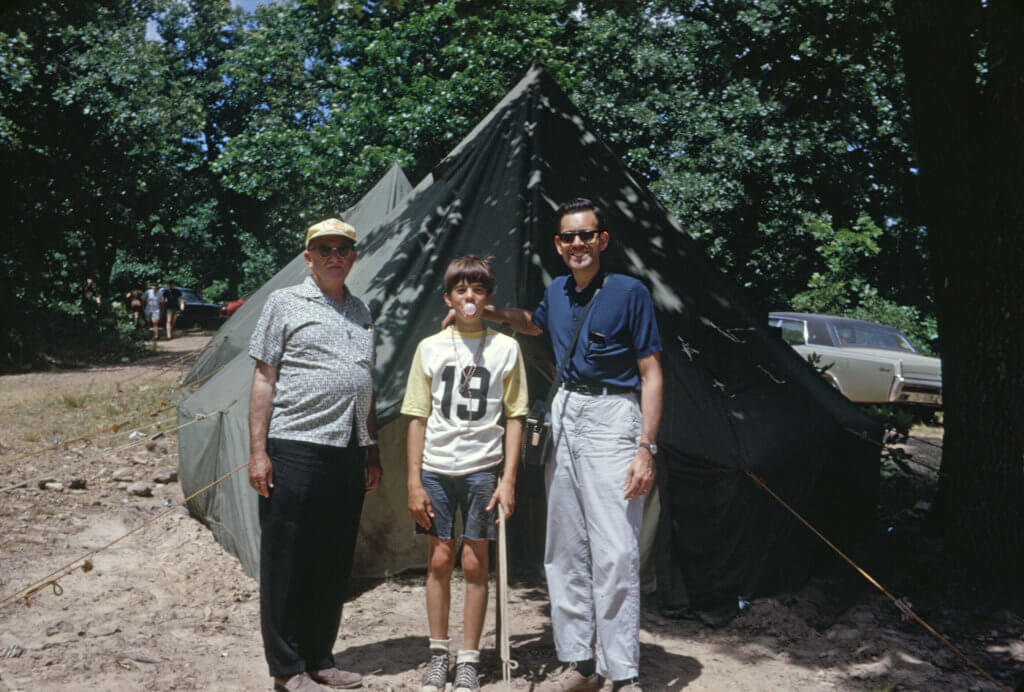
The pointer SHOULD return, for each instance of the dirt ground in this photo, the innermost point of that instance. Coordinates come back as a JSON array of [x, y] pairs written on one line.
[[167, 609]]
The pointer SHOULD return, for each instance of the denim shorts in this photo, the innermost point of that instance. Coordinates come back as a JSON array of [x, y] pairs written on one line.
[[470, 493]]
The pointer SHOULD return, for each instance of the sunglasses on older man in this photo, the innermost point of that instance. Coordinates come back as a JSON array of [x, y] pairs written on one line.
[[568, 237], [326, 251]]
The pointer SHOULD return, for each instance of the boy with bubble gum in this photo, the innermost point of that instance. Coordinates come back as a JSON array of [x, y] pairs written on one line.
[[467, 395]]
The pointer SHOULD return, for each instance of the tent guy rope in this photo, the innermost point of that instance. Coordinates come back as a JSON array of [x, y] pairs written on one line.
[[84, 562], [901, 604], [114, 450], [113, 427]]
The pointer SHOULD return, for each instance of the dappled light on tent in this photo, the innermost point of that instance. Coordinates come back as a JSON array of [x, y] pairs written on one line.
[[737, 399]]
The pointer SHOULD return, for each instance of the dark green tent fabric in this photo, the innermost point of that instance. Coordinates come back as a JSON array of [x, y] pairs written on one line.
[[233, 336], [737, 398]]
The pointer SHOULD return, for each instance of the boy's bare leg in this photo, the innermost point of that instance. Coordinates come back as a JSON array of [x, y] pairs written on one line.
[[474, 567], [440, 563]]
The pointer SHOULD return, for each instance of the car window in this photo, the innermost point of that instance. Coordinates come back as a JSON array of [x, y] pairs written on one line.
[[792, 330], [873, 335], [817, 333], [190, 296]]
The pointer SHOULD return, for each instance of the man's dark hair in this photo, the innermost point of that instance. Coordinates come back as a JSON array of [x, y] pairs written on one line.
[[577, 205], [472, 270]]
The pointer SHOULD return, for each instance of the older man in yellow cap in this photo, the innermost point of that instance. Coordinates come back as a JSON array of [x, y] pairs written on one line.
[[313, 456]]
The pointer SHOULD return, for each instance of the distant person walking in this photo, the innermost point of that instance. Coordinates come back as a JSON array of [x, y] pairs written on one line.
[[133, 301], [152, 301], [173, 303], [90, 296], [313, 456]]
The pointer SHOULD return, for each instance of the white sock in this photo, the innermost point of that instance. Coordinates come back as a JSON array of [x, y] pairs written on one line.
[[468, 656], [439, 646]]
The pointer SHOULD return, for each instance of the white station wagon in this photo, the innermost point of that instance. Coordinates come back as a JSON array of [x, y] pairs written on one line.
[[870, 363]]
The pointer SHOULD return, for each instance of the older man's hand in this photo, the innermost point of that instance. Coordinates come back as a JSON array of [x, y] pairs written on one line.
[[261, 473], [374, 474]]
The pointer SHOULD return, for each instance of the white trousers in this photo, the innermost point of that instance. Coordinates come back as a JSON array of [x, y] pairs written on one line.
[[592, 556]]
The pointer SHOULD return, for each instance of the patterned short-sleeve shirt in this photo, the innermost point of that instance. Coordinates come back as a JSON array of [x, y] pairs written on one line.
[[324, 354]]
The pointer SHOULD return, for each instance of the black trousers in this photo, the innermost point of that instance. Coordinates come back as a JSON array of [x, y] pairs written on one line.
[[308, 538]]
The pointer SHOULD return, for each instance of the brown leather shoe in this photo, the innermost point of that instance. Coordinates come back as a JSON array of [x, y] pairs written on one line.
[[300, 682], [336, 677], [570, 680]]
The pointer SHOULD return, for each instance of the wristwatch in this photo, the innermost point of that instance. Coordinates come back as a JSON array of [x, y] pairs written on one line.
[[652, 447]]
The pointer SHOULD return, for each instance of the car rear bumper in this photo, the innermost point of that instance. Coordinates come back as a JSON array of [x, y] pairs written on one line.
[[911, 391]]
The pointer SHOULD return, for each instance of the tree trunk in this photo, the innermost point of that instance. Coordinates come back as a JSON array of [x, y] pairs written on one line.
[[968, 131]]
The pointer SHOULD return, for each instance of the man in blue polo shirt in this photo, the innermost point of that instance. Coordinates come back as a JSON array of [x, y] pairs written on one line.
[[604, 422]]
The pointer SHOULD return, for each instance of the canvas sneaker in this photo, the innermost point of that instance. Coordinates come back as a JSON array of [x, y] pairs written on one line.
[[466, 678], [571, 680], [437, 675]]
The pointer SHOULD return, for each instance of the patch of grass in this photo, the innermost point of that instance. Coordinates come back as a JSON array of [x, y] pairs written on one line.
[[64, 406], [74, 400]]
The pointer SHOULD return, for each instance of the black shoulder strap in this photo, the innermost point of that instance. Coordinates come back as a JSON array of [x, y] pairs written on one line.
[[572, 345]]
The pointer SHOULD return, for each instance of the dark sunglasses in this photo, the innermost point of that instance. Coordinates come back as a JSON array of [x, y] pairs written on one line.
[[568, 237], [343, 250]]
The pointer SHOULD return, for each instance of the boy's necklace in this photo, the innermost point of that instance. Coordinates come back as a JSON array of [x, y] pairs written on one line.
[[464, 384]]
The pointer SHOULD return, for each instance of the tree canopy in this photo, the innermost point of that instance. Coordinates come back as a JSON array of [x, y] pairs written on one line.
[[203, 153], [189, 139]]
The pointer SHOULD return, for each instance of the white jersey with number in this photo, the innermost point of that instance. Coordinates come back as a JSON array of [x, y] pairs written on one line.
[[463, 389]]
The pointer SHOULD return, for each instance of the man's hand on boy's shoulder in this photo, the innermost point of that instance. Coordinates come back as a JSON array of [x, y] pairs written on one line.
[[504, 494], [419, 506]]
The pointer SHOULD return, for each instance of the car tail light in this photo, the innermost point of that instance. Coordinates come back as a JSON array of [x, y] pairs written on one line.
[[223, 311]]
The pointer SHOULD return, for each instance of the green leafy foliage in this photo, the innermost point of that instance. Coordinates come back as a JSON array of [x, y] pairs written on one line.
[[842, 286], [203, 155]]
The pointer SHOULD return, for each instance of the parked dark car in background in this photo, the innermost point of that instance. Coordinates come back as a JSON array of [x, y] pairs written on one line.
[[869, 363], [197, 312]]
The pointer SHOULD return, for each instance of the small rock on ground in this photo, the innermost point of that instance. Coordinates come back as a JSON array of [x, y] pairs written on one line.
[[140, 489], [123, 474], [62, 626], [167, 475]]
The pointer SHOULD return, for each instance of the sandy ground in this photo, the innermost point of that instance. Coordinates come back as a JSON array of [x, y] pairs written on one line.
[[167, 609]]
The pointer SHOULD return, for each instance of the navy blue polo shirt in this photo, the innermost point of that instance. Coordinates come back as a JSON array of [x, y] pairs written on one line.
[[620, 329]]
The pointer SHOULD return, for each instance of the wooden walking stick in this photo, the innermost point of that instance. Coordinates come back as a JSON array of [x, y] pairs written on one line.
[[501, 605]]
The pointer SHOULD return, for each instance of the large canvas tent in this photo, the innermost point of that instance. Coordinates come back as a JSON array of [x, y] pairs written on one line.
[[737, 399]]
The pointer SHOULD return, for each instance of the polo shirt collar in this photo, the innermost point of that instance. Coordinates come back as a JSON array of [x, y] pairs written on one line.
[[309, 289], [584, 295]]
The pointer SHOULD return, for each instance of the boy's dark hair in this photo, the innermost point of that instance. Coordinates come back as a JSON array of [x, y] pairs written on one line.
[[472, 270], [577, 205]]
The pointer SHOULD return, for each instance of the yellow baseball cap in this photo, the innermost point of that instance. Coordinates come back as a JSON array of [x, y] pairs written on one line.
[[330, 227]]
